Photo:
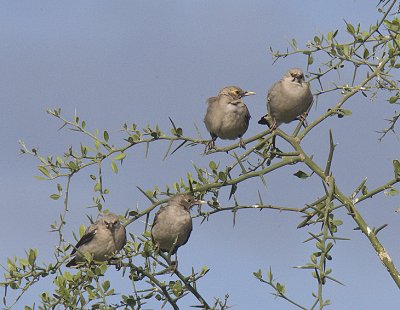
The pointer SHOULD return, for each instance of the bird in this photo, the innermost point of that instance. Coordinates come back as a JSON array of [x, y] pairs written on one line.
[[103, 239], [287, 100], [173, 224], [227, 116]]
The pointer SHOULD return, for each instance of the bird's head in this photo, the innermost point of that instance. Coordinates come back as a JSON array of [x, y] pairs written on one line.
[[295, 75], [111, 221], [235, 92], [186, 200]]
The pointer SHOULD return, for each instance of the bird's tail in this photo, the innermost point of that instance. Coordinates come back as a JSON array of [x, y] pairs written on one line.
[[265, 120], [71, 263]]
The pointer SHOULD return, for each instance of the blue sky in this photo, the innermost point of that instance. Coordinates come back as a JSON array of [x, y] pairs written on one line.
[[145, 61]]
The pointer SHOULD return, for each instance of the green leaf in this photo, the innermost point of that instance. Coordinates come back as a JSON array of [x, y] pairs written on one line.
[[32, 257], [314, 258], [212, 165], [133, 213], [204, 270], [177, 288], [114, 167], [222, 176], [44, 171], [59, 161], [258, 274], [391, 192], [345, 50], [82, 229], [366, 53], [23, 262], [350, 29], [310, 60], [301, 174], [343, 112], [72, 165], [97, 187], [396, 165], [320, 246], [55, 196], [280, 288], [68, 276], [130, 301], [106, 136], [337, 222], [106, 285], [120, 156]]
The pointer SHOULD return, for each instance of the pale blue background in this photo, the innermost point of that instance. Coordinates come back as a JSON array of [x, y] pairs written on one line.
[[142, 61]]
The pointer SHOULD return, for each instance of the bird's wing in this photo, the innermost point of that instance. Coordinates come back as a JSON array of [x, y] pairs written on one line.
[[247, 115], [123, 232], [161, 210], [212, 100], [156, 217], [87, 236], [184, 242], [272, 93]]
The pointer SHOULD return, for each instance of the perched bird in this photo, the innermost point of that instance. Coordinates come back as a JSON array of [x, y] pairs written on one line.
[[173, 224], [227, 116], [103, 239], [287, 100]]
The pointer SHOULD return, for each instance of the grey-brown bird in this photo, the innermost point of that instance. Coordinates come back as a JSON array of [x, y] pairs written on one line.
[[173, 224], [288, 99], [227, 116], [103, 239]]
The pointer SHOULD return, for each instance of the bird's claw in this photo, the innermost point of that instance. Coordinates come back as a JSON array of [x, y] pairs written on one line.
[[302, 119], [209, 146], [174, 266], [242, 144]]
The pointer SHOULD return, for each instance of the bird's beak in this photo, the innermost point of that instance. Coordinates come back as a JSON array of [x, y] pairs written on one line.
[[248, 93]]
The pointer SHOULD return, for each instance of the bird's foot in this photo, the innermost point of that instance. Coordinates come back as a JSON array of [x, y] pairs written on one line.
[[242, 144], [302, 119], [273, 125], [209, 146], [173, 266], [115, 261]]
